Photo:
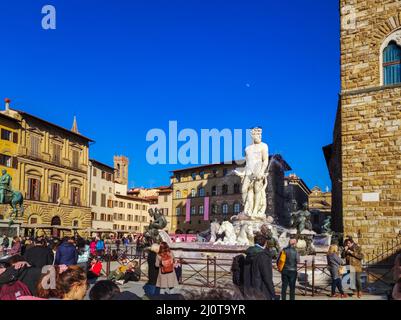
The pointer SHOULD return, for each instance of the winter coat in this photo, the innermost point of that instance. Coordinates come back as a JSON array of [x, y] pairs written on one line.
[[167, 280], [66, 254], [354, 257], [39, 256], [333, 263], [153, 269], [258, 274]]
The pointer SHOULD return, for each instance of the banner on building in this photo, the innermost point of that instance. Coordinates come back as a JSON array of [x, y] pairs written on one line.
[[206, 209], [188, 211]]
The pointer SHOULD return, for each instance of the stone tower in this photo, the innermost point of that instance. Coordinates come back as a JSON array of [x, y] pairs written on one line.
[[121, 169], [365, 158]]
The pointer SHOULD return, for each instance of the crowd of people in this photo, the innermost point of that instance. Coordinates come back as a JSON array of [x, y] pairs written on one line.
[[253, 273], [52, 268]]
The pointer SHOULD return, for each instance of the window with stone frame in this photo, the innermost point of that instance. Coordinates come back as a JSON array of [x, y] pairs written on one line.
[[103, 200], [215, 209], [201, 210], [392, 64], [201, 192], [56, 153], [237, 208], [6, 134], [54, 192], [33, 189], [193, 193], [237, 188], [224, 189], [75, 196], [214, 191], [75, 159], [178, 194], [178, 211], [94, 200], [193, 210], [224, 208], [35, 146]]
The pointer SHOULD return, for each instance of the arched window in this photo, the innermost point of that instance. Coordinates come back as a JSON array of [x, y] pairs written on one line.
[[193, 193], [201, 209], [178, 194], [392, 64], [193, 210], [237, 208]]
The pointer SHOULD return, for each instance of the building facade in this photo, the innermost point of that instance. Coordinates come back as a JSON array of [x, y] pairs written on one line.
[[52, 174], [319, 206], [130, 215], [163, 201], [296, 193], [364, 160], [212, 192], [101, 195]]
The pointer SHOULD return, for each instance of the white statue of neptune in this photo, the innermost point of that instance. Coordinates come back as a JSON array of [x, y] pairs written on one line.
[[254, 176]]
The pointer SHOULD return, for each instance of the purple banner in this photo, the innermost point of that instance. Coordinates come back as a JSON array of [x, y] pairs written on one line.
[[188, 210], [206, 209]]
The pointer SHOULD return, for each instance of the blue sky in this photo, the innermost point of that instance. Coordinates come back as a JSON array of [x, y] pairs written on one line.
[[125, 67]]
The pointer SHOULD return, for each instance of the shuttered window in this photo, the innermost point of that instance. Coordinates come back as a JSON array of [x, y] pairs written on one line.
[[33, 189], [55, 192], [56, 153], [75, 196], [35, 146], [392, 64], [75, 159]]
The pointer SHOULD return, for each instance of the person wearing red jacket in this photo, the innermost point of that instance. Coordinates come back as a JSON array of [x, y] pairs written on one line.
[[95, 270]]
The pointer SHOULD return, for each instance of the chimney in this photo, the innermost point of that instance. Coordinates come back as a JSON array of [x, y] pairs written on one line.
[[7, 101]]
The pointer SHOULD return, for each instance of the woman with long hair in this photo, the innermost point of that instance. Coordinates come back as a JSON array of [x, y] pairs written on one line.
[[334, 264], [72, 284], [166, 279]]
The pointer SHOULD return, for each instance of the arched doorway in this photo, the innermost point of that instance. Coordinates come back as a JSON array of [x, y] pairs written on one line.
[[56, 221]]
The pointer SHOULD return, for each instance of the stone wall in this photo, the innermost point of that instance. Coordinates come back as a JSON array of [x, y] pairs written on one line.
[[370, 126]]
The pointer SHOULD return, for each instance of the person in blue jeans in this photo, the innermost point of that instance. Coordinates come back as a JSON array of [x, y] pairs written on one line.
[[289, 273], [333, 264]]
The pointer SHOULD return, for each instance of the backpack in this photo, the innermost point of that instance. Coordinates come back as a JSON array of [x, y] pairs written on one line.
[[167, 263], [13, 290], [237, 270], [281, 261]]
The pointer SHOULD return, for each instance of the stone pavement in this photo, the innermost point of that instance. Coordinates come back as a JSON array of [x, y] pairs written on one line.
[[137, 288]]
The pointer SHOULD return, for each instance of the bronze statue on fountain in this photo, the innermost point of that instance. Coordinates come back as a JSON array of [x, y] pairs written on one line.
[[158, 222]]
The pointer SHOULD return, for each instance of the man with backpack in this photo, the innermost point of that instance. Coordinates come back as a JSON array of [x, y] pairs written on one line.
[[258, 271], [288, 266]]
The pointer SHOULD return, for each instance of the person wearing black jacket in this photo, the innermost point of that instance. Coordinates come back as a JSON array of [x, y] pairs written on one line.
[[19, 269], [153, 272], [39, 255], [258, 271]]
